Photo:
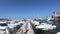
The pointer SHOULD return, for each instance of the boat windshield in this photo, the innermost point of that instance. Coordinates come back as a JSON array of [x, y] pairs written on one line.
[[43, 21], [50, 22], [3, 24]]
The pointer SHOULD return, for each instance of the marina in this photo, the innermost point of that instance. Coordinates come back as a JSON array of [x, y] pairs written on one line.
[[30, 26], [29, 16]]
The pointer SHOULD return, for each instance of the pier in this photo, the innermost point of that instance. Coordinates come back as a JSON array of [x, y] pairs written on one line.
[[23, 30]]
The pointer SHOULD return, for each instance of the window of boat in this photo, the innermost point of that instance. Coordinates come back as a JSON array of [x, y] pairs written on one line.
[[16, 22], [3, 24], [50, 22], [43, 21]]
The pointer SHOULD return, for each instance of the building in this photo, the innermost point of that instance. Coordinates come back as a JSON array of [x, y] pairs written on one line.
[[56, 15]]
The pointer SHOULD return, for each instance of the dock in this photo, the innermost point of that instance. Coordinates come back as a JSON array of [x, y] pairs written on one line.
[[21, 30]]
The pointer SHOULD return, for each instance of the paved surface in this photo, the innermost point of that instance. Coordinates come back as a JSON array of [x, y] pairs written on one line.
[[24, 28], [31, 31]]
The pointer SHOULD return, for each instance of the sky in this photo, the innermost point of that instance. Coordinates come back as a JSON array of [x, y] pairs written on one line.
[[28, 8]]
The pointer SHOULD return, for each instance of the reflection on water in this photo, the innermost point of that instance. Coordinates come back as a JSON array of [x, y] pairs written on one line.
[[50, 31]]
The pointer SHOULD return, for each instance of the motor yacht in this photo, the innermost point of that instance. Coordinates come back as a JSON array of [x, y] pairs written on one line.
[[4, 29], [44, 25]]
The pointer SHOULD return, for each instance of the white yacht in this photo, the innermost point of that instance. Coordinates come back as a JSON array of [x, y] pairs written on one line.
[[44, 25], [13, 24], [4, 29], [35, 22]]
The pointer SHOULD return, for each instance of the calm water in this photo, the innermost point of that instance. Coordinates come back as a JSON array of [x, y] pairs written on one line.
[[49, 32]]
